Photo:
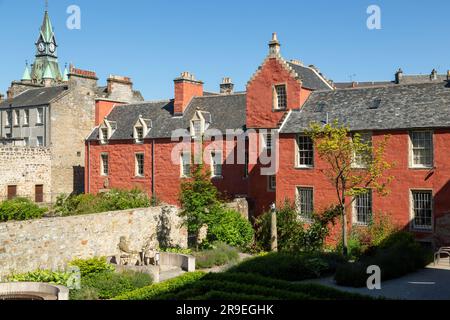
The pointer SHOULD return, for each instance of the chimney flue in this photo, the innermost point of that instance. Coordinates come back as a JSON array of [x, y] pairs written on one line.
[[227, 86], [399, 76], [434, 74]]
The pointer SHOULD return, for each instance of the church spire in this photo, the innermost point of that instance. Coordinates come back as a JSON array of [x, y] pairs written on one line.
[[46, 53], [26, 74]]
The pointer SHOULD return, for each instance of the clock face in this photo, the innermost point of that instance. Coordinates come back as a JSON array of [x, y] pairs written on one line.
[[52, 47], [41, 47]]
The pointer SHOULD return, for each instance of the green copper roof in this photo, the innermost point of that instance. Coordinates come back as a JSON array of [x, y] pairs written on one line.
[[26, 74], [47, 29], [48, 73]]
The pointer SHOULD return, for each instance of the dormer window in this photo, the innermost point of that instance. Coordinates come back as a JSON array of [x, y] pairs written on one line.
[[279, 99], [139, 134], [106, 130], [141, 128], [103, 135], [199, 123], [197, 126]]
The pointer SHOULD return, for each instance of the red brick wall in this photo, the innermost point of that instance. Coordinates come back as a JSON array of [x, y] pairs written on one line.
[[184, 92], [260, 112], [397, 203], [167, 174], [102, 109]]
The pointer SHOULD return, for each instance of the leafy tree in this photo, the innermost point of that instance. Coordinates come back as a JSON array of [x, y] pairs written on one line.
[[339, 149], [199, 198]]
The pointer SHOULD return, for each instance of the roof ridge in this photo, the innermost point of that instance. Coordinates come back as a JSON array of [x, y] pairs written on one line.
[[222, 95]]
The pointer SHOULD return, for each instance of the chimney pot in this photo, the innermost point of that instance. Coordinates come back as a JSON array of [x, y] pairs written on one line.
[[399, 75], [227, 86], [434, 74]]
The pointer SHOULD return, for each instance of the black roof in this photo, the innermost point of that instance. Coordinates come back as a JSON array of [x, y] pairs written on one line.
[[34, 97], [311, 79], [425, 105], [227, 111]]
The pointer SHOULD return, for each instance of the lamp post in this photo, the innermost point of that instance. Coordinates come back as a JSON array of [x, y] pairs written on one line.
[[273, 228]]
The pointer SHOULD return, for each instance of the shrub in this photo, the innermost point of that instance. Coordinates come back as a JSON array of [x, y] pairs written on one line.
[[396, 256], [46, 276], [20, 209], [87, 293], [230, 227], [106, 285], [290, 266], [102, 202], [294, 234], [219, 255], [150, 292], [92, 266], [177, 250]]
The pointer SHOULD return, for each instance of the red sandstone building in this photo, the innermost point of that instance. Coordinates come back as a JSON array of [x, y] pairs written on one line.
[[132, 145]]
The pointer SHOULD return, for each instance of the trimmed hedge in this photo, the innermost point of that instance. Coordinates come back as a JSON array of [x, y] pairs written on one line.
[[396, 256], [150, 292], [220, 255], [92, 266], [230, 227], [289, 266], [235, 286], [19, 209]]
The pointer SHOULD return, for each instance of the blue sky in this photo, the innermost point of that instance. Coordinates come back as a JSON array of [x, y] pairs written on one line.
[[153, 41]]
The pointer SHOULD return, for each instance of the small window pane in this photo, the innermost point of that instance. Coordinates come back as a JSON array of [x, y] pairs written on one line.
[[197, 125], [422, 148], [105, 165], [139, 134], [280, 91], [305, 202], [216, 159], [40, 113], [185, 164], [16, 117], [363, 208], [26, 117], [140, 164], [272, 183], [361, 158], [40, 141], [305, 151], [422, 208]]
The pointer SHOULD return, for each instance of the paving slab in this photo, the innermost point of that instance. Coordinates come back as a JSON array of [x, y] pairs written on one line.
[[430, 283]]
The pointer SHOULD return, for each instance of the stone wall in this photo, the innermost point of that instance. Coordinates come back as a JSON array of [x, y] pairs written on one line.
[[52, 242], [25, 168]]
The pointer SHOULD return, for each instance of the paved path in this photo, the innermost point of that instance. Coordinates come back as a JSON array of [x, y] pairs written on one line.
[[431, 283]]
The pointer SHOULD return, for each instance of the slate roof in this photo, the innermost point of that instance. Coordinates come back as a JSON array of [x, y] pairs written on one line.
[[34, 97], [311, 79], [425, 105], [226, 112]]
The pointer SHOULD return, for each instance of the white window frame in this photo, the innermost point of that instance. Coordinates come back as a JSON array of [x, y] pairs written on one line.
[[197, 134], [266, 140], [39, 144], [137, 138], [355, 208], [297, 153], [411, 150], [136, 160], [298, 204], [16, 118], [213, 156], [365, 137], [276, 97], [103, 137], [26, 117], [413, 225], [102, 164], [8, 121], [40, 116], [183, 165]]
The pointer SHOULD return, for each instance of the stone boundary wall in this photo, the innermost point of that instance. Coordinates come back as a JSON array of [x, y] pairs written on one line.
[[25, 168], [50, 243]]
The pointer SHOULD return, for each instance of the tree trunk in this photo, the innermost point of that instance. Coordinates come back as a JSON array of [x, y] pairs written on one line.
[[273, 231]]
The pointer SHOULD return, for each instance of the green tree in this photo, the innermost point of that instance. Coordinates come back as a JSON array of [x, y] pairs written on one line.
[[339, 149], [199, 198]]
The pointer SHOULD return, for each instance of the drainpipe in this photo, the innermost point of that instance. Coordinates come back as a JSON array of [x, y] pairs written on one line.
[[88, 167], [153, 169]]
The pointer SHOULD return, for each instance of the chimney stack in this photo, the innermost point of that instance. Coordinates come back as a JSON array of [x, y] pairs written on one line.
[[448, 75], [274, 45], [227, 86], [186, 88], [399, 76], [120, 88]]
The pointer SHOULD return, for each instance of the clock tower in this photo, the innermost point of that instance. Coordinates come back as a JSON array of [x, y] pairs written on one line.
[[46, 62]]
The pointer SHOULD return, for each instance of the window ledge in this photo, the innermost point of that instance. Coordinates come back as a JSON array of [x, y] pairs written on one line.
[[304, 167], [360, 224], [424, 230], [217, 177], [421, 167]]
